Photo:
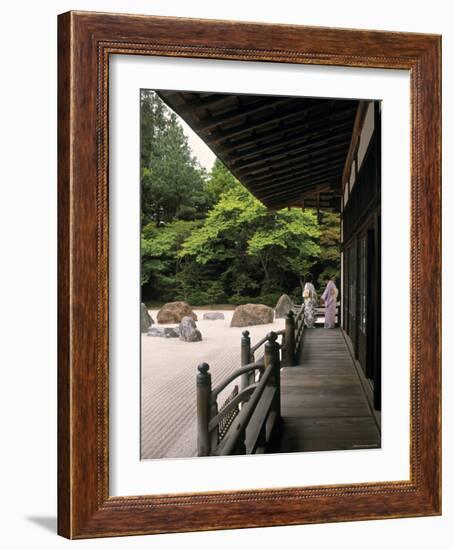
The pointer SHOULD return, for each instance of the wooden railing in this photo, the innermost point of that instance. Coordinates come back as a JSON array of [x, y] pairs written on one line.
[[244, 423], [249, 414]]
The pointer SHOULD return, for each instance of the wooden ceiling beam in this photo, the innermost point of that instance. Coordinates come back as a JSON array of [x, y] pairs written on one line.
[[295, 202], [328, 141], [289, 163], [203, 103], [297, 188], [303, 174], [329, 208], [313, 127], [238, 113], [307, 139], [323, 190], [296, 156], [221, 136], [294, 179]]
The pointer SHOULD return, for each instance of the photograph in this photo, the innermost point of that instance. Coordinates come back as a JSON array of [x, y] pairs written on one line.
[[260, 266]]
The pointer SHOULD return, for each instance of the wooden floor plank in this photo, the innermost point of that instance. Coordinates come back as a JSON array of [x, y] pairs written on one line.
[[322, 400]]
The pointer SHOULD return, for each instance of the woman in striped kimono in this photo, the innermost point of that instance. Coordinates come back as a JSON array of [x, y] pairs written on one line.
[[310, 303]]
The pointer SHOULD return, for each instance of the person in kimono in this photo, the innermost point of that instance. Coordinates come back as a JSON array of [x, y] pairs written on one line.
[[329, 297], [310, 303]]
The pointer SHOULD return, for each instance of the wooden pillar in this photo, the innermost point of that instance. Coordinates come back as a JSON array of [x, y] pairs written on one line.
[[290, 339], [203, 409], [245, 357]]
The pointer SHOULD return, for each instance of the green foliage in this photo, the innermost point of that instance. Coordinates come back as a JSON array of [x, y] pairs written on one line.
[[172, 182], [257, 251], [152, 124], [225, 230], [288, 239], [219, 181], [329, 242], [159, 254]]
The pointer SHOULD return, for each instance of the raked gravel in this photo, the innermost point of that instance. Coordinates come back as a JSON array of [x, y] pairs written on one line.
[[169, 369]]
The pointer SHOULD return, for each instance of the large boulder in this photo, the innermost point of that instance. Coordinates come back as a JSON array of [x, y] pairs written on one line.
[[188, 331], [284, 306], [213, 316], [252, 314], [145, 318], [174, 312]]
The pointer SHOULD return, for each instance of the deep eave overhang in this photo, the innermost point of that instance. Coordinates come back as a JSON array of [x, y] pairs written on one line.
[[288, 151]]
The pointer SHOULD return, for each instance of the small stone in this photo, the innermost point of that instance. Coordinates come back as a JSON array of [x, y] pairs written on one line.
[[188, 331], [154, 331], [213, 316], [164, 332]]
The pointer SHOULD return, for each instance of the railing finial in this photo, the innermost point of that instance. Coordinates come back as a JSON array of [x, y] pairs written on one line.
[[203, 376], [246, 358], [203, 368]]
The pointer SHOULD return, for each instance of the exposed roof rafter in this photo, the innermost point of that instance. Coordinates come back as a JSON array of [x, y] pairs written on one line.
[[283, 149]]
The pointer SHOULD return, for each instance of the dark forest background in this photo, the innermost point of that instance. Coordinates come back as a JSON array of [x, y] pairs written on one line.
[[206, 240]]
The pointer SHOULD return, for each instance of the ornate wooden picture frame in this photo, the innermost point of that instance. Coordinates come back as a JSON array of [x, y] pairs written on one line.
[[85, 507]]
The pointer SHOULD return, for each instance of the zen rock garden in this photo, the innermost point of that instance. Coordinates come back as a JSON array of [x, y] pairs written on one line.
[[181, 314]]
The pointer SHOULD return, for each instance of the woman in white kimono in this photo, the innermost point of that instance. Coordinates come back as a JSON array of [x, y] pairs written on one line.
[[310, 303], [329, 298]]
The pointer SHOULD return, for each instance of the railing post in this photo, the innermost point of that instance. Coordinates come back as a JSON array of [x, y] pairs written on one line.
[[290, 339], [275, 350], [240, 448], [245, 357], [203, 409], [268, 352], [272, 360], [214, 435]]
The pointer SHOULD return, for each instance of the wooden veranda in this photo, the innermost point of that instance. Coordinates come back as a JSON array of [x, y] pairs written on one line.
[[304, 394], [323, 403]]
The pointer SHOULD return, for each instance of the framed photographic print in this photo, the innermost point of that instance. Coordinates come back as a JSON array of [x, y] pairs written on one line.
[[249, 275]]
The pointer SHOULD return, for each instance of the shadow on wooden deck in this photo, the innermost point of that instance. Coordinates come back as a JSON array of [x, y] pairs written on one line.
[[323, 404]]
